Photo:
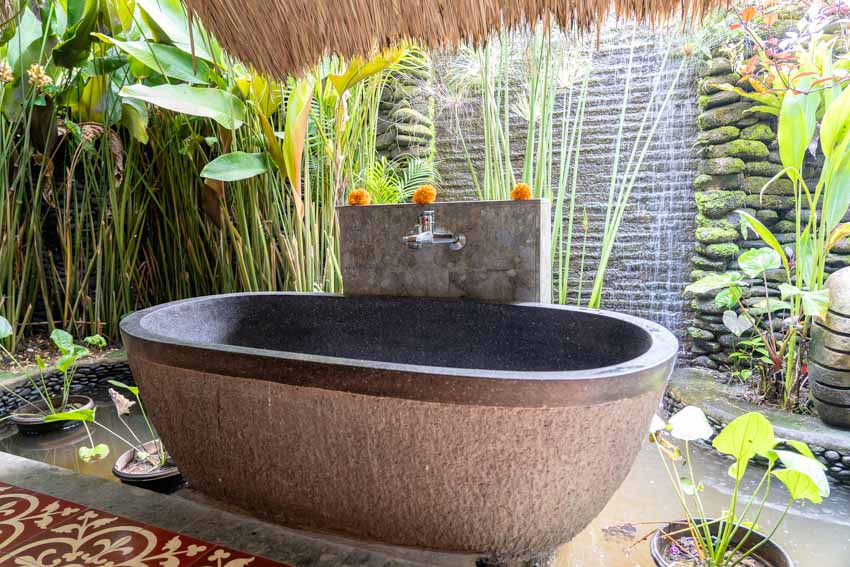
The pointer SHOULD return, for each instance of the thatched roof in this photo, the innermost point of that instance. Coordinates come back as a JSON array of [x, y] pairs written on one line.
[[285, 36]]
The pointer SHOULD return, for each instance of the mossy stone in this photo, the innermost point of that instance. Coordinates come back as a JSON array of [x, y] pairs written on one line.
[[779, 202], [721, 166], [718, 135], [785, 226], [697, 275], [416, 131], [842, 246], [762, 168], [701, 334], [720, 98], [715, 66], [707, 306], [707, 346], [705, 182], [750, 149], [760, 132], [711, 235], [767, 216], [717, 204], [411, 116], [722, 115], [711, 85], [719, 251], [704, 263], [730, 223], [756, 185]]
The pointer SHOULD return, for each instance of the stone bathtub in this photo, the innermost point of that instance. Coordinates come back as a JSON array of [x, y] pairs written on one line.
[[442, 424]]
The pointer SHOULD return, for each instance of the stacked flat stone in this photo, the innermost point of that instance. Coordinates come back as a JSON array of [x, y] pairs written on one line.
[[829, 355], [405, 126], [739, 155]]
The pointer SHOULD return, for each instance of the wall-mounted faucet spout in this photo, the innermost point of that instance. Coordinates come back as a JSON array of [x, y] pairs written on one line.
[[427, 233]]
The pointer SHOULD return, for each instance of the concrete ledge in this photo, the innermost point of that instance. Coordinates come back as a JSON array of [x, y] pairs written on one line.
[[722, 403]]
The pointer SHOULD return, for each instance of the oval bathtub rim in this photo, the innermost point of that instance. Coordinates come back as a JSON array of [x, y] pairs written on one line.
[[643, 371]]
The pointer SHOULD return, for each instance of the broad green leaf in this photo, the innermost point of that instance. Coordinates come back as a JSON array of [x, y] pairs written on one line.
[[765, 234], [168, 23], [274, 146], [63, 340], [690, 424], [295, 135], [266, 95], [799, 485], [769, 306], [73, 415], [95, 341], [73, 49], [801, 447], [728, 298], [164, 59], [836, 194], [756, 261], [358, 69], [809, 467], [835, 126], [789, 290], [815, 303], [236, 166], [25, 46], [745, 437], [687, 486], [713, 281], [68, 360], [216, 104], [737, 323], [92, 454], [134, 117], [5, 328], [132, 389], [797, 124]]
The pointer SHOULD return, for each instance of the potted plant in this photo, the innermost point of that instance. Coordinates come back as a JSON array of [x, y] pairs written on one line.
[[30, 417], [144, 463], [730, 537]]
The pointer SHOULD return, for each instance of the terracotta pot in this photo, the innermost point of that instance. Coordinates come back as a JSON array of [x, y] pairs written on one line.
[[166, 479], [29, 423], [769, 553]]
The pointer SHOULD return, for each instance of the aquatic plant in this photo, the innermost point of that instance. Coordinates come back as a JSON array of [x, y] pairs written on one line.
[[720, 537], [425, 195]]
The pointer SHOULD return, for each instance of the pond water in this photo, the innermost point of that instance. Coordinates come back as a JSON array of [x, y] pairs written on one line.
[[814, 536]]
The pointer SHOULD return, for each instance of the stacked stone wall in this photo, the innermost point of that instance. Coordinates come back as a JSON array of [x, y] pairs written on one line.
[[405, 122], [739, 154]]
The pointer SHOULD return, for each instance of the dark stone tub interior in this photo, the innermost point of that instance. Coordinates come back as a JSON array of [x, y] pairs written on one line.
[[450, 334]]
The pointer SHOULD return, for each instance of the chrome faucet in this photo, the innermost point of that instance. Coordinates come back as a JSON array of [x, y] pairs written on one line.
[[427, 233]]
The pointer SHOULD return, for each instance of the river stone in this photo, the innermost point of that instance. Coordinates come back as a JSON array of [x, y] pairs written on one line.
[[767, 216], [729, 341], [750, 149], [732, 222], [701, 334], [703, 182], [416, 131], [761, 132], [720, 98], [785, 226], [714, 235], [705, 362], [715, 66], [718, 135], [768, 201], [756, 185], [711, 85], [410, 115], [842, 246], [707, 264], [721, 166], [707, 346], [718, 204], [762, 168], [405, 141]]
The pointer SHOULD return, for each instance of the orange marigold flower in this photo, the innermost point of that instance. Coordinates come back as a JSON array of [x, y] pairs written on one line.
[[359, 197], [521, 192], [425, 195]]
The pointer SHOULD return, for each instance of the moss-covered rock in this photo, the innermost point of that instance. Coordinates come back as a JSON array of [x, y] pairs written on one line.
[[705, 182], [732, 222], [767, 216], [749, 149], [706, 306], [411, 116], [762, 168], [703, 263], [714, 67], [711, 85], [756, 185], [720, 98], [425, 132], [778, 202], [697, 275], [718, 204], [718, 135], [711, 235], [721, 166], [719, 251], [722, 115], [701, 334], [785, 226], [760, 132]]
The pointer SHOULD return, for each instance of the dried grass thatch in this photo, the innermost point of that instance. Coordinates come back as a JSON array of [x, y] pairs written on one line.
[[285, 36]]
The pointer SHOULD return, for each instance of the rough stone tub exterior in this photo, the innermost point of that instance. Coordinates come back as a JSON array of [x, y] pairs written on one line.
[[443, 424]]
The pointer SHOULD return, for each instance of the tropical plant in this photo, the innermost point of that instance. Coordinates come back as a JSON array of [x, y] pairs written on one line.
[[720, 538]]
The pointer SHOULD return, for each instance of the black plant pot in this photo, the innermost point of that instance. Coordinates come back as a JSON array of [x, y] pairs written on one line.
[[769, 553], [31, 423], [164, 480]]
